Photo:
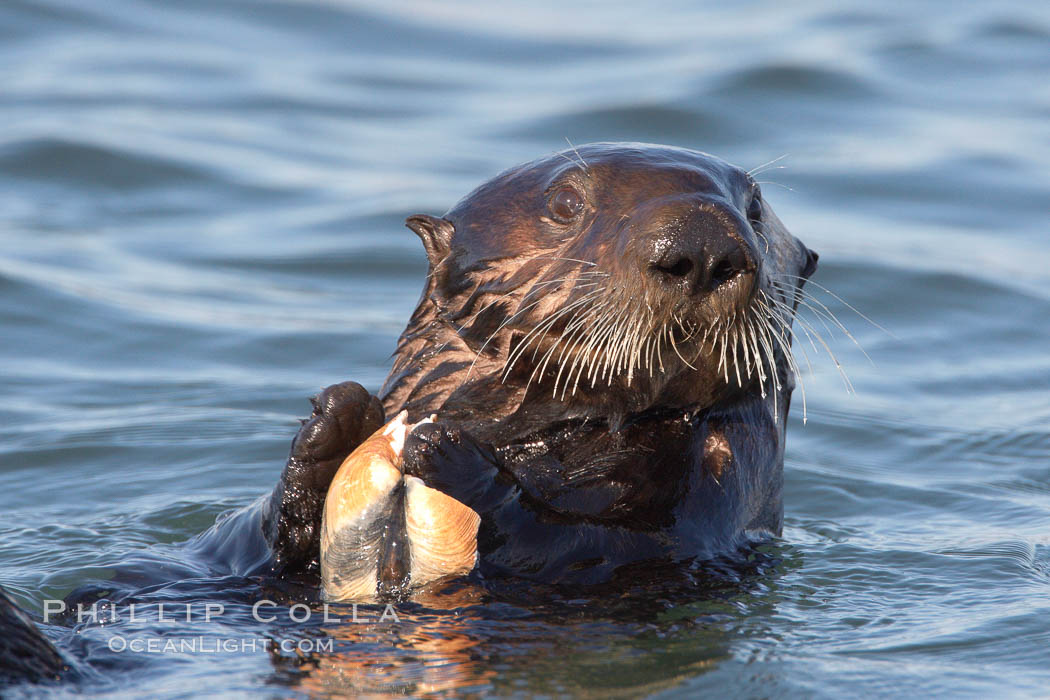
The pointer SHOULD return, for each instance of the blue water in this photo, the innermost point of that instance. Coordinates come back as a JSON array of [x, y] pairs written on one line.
[[201, 209]]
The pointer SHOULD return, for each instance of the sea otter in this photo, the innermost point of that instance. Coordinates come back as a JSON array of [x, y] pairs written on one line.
[[604, 338]]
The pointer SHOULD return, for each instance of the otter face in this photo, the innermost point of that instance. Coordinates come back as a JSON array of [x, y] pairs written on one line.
[[623, 275]]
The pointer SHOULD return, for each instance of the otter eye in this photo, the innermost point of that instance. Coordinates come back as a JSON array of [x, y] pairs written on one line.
[[565, 204], [754, 209]]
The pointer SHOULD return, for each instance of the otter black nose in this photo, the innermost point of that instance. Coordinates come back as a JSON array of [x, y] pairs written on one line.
[[701, 264]]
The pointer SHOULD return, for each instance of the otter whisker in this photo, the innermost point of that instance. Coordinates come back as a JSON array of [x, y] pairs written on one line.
[[492, 335], [622, 355], [631, 347], [558, 257], [577, 322], [837, 298], [582, 353], [771, 182], [571, 161], [659, 346], [579, 345], [607, 340], [583, 360], [642, 342], [782, 307], [636, 346], [577, 152], [764, 348], [756, 226], [760, 365], [827, 348], [613, 343], [543, 325], [535, 287], [596, 339], [766, 335], [547, 329], [726, 339], [645, 351], [793, 365], [772, 341], [791, 331], [762, 375], [767, 344], [807, 300], [811, 332], [498, 299], [783, 332], [578, 350], [576, 339], [747, 350], [759, 168], [691, 330], [723, 364], [625, 345], [736, 351], [650, 346], [546, 323], [715, 340], [629, 344], [584, 335], [596, 346], [577, 325], [584, 338], [674, 345], [822, 316], [609, 343], [745, 343]]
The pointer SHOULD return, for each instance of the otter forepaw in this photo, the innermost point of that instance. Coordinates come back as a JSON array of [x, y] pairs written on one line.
[[450, 460], [344, 416]]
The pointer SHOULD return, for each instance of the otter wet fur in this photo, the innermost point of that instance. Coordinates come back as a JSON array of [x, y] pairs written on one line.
[[603, 340]]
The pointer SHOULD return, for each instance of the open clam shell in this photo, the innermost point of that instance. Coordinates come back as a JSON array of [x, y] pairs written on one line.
[[382, 530]]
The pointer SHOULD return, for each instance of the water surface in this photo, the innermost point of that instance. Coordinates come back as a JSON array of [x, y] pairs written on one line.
[[201, 209]]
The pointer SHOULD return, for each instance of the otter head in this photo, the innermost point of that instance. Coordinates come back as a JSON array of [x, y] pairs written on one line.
[[599, 283]]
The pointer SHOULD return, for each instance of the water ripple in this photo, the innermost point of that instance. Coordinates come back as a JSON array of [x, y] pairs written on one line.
[[201, 224]]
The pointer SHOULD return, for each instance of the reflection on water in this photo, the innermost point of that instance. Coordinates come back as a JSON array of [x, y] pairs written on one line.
[[631, 637], [201, 225]]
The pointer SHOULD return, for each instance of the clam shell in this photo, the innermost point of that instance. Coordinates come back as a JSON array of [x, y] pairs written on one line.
[[372, 509], [442, 533], [361, 503]]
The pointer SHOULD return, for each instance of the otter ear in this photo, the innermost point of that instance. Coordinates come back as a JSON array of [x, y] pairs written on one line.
[[436, 234], [811, 262]]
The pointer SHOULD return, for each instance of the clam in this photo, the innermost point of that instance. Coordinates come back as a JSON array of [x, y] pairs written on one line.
[[382, 530], [442, 533]]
